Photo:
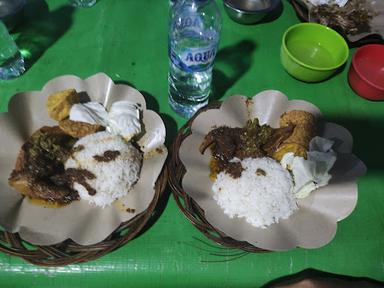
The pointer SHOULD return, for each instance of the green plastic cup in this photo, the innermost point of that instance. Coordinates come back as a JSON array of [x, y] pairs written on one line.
[[312, 52]]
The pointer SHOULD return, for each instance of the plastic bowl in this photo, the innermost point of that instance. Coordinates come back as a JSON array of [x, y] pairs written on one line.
[[366, 74], [249, 11], [312, 52]]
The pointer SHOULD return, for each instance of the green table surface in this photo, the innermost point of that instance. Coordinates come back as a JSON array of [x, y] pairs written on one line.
[[127, 39]]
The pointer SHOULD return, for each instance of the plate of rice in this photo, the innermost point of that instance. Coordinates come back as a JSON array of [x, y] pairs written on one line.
[[83, 160], [286, 189]]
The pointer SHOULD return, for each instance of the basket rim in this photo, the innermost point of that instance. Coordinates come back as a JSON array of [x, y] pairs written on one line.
[[191, 210], [69, 252]]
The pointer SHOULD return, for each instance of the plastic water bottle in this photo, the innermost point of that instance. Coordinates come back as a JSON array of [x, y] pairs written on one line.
[[193, 40], [11, 61]]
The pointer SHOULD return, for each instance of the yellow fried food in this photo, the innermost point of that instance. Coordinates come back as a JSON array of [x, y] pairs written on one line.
[[79, 129], [305, 127], [297, 117], [302, 135], [59, 104], [296, 149]]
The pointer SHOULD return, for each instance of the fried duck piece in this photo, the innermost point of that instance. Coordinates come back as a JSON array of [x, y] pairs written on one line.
[[253, 137], [238, 142], [40, 164], [224, 142], [252, 141], [227, 143], [40, 188]]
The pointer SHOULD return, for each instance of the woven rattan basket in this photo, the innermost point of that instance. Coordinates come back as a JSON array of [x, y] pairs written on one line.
[[303, 15], [69, 252], [186, 204]]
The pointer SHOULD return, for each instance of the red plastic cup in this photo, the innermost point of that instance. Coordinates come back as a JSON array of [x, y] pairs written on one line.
[[366, 74]]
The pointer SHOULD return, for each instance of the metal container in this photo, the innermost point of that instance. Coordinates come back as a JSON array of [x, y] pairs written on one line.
[[249, 11]]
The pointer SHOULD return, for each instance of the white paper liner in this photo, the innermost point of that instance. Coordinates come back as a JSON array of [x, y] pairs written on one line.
[[78, 221], [315, 223]]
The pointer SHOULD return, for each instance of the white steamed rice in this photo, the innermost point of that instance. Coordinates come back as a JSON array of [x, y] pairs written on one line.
[[261, 200], [113, 179]]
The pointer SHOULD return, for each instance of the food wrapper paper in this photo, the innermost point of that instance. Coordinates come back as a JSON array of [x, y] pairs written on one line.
[[314, 224], [78, 221]]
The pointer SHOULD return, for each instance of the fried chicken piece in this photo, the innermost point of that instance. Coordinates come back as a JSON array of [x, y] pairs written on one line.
[[296, 149], [59, 104], [304, 129], [79, 129], [305, 126]]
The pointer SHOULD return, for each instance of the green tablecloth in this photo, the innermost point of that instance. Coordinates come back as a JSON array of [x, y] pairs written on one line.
[[127, 39]]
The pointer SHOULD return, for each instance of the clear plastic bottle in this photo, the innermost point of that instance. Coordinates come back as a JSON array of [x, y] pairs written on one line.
[[193, 40], [11, 61]]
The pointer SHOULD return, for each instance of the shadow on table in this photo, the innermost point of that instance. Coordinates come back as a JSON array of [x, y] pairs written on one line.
[[41, 28], [311, 278], [367, 145], [171, 128], [153, 104], [230, 64], [169, 122]]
